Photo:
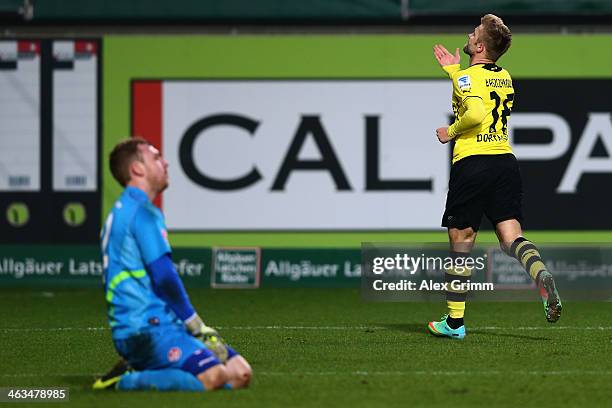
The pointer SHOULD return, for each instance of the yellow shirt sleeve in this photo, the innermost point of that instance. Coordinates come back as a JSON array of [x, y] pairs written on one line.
[[451, 69], [473, 116]]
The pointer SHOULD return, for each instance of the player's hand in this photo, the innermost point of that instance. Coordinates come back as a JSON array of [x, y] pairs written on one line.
[[194, 325], [442, 134], [214, 342], [207, 331], [444, 57]]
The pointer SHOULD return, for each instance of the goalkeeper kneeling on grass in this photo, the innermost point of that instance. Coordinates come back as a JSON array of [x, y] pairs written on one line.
[[163, 342]]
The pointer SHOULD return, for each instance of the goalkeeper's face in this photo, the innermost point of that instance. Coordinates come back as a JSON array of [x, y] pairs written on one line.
[[156, 168]]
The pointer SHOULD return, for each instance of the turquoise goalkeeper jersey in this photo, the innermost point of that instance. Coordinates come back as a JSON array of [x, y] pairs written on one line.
[[134, 235]]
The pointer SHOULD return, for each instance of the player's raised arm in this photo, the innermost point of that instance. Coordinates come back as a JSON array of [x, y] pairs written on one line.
[[444, 57]]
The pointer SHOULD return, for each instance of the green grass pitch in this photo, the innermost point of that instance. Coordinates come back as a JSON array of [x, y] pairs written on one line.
[[353, 239], [325, 347]]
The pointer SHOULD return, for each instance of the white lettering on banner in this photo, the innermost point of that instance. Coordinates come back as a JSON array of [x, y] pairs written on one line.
[[301, 270], [87, 268], [352, 270], [305, 154], [186, 268], [598, 127], [29, 267], [561, 135]]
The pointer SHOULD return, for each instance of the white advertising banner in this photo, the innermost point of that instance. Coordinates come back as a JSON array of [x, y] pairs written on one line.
[[75, 110], [19, 116], [305, 154]]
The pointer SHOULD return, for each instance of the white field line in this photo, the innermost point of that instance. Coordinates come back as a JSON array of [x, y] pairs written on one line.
[[424, 325], [540, 328], [365, 373], [508, 328], [435, 373]]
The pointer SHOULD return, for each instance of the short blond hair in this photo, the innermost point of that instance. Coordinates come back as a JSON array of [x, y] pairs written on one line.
[[496, 36]]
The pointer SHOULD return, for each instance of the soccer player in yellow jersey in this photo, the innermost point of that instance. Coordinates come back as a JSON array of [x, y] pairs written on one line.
[[485, 176]]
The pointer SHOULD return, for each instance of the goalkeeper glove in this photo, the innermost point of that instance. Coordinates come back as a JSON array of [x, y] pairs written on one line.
[[214, 342], [209, 336]]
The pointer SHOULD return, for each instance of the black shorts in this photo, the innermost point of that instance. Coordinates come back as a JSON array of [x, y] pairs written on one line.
[[483, 184]]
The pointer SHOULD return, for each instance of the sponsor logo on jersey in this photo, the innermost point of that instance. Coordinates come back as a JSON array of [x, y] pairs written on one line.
[[174, 354], [464, 83], [486, 138]]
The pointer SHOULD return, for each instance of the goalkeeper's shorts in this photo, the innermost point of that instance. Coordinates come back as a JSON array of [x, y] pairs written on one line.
[[168, 347]]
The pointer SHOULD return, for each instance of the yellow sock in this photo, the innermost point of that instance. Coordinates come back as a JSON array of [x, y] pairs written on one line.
[[529, 256], [455, 309], [454, 277]]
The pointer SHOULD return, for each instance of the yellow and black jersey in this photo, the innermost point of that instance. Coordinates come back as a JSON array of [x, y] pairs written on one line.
[[486, 130]]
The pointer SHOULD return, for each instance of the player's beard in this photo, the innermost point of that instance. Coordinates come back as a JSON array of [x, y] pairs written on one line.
[[163, 184], [159, 184], [466, 49]]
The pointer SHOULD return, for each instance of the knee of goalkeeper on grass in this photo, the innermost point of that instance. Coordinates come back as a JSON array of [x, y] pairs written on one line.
[[186, 355]]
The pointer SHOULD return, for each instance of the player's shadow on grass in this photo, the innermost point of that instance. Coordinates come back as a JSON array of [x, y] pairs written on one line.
[[421, 328], [515, 336]]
